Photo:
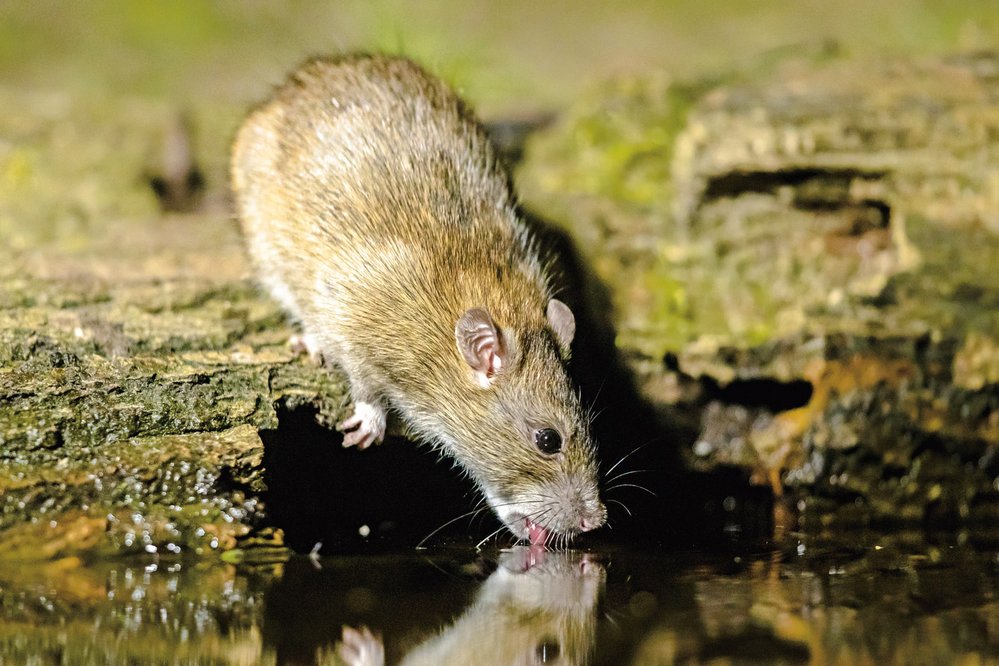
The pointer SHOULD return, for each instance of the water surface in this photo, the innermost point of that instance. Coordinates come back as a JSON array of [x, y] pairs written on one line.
[[875, 601]]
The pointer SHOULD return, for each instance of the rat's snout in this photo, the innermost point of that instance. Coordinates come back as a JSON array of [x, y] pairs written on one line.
[[536, 520], [581, 511], [592, 515]]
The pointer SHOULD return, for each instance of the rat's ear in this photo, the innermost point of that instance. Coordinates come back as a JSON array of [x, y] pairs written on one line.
[[480, 344], [563, 323]]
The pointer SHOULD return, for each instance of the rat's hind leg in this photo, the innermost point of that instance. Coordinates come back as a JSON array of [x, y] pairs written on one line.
[[301, 343], [306, 343]]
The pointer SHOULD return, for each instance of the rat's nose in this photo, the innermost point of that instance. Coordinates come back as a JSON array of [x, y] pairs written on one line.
[[594, 519]]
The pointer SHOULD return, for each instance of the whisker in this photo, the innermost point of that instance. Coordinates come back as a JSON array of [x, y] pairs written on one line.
[[630, 485], [490, 536], [624, 474], [623, 506], [614, 623], [592, 414], [438, 567], [545, 525], [453, 520], [552, 536], [600, 390], [484, 511], [540, 513], [541, 498], [628, 455], [537, 517], [479, 509]]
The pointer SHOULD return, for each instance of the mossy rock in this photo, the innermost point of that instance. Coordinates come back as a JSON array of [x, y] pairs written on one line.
[[806, 257], [137, 360]]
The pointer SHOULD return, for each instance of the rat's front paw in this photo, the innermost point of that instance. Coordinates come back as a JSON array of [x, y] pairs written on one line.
[[359, 647], [365, 427]]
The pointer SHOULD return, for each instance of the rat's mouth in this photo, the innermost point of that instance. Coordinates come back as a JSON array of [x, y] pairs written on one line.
[[527, 523], [537, 534]]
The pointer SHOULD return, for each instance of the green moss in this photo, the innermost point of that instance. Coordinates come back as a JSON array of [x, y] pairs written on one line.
[[955, 289], [744, 267], [615, 143]]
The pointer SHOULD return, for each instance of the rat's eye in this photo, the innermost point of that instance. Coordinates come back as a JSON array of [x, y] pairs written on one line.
[[548, 440]]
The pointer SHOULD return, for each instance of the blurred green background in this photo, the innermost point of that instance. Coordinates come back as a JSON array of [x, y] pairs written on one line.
[[502, 55]]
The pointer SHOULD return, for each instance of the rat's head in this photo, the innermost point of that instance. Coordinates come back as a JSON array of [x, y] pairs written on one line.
[[529, 444]]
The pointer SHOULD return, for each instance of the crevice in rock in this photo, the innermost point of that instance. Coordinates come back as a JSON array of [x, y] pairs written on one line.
[[818, 184], [765, 393]]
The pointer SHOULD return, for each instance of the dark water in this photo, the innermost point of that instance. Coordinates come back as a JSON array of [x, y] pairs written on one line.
[[869, 601]]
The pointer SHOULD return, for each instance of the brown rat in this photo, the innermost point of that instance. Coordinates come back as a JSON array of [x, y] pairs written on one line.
[[376, 211]]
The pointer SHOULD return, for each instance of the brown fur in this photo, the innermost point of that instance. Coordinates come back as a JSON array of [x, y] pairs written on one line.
[[376, 210]]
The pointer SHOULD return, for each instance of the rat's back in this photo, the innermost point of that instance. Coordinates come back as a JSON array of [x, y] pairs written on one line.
[[354, 152], [366, 188]]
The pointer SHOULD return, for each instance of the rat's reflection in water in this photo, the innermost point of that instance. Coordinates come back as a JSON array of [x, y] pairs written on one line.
[[537, 607]]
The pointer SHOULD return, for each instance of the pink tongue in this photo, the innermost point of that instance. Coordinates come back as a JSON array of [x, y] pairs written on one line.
[[536, 534]]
